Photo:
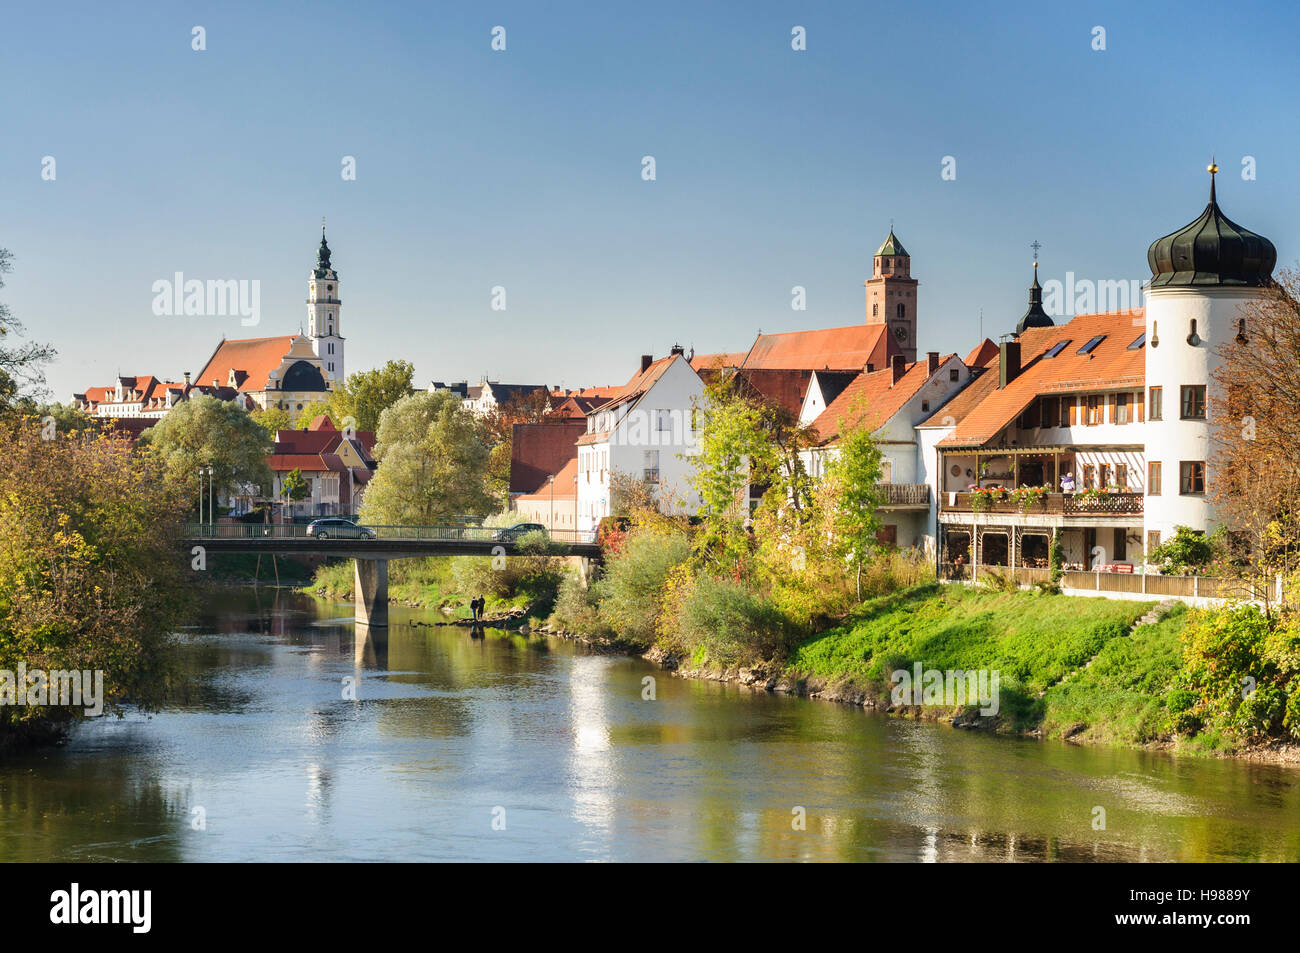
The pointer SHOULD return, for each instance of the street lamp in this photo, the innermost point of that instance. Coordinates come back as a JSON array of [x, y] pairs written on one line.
[[551, 525], [575, 507], [212, 513], [200, 499]]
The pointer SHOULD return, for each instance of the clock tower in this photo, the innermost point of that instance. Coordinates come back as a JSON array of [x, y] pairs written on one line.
[[891, 295], [323, 303]]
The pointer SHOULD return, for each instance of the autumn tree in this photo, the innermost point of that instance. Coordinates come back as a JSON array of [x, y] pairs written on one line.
[[21, 364], [498, 430], [433, 464], [1254, 477]]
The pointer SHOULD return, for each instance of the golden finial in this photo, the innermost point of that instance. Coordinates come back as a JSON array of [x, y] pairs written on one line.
[[1211, 168]]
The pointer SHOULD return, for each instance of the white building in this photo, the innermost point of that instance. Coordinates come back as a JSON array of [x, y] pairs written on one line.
[[645, 431]]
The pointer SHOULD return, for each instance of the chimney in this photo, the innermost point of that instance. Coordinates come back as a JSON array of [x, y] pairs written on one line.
[[646, 361], [1010, 362], [187, 378], [899, 367], [931, 362]]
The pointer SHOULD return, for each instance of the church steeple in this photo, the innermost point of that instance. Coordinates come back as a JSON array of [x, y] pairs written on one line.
[[891, 295], [1035, 317], [323, 305]]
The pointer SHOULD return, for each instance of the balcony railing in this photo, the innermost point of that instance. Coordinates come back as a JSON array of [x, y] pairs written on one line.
[[906, 494], [1051, 504]]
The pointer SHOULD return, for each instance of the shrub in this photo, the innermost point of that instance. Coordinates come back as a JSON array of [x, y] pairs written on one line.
[[634, 580], [576, 611], [727, 622]]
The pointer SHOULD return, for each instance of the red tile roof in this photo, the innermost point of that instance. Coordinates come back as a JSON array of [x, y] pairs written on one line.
[[784, 388], [252, 359], [563, 488], [983, 353], [872, 399], [538, 450], [632, 391], [1111, 365], [840, 349]]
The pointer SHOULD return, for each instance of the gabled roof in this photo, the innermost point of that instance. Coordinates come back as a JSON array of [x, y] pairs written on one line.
[[871, 399], [784, 388], [632, 391], [256, 357], [850, 348], [563, 488], [704, 362], [1110, 365], [984, 352], [832, 383]]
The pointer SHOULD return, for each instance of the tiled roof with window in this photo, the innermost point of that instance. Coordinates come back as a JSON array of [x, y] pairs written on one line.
[[1113, 363]]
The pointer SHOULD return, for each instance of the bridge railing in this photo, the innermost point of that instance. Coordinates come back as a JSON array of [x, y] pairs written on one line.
[[482, 534]]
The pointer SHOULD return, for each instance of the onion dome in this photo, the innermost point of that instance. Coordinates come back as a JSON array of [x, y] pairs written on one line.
[[1035, 317], [323, 269], [1211, 251]]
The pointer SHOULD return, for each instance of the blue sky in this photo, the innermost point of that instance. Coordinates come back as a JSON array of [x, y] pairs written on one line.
[[522, 168]]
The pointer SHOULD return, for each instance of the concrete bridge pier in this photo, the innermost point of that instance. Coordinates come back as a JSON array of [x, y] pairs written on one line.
[[371, 591]]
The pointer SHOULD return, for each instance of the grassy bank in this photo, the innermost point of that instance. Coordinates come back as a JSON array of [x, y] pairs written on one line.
[[1034, 640]]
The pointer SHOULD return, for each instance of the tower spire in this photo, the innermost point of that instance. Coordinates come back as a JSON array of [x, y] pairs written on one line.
[[1212, 169]]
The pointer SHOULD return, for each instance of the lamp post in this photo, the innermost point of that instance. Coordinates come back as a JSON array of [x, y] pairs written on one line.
[[200, 499], [550, 527], [212, 513], [575, 507]]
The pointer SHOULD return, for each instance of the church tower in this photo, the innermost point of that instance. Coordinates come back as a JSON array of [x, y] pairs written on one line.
[[323, 304], [891, 295]]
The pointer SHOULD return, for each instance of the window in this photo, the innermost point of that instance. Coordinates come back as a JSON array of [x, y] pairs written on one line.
[[925, 406], [1153, 478], [954, 375], [1058, 347], [875, 310], [1089, 475], [1103, 476], [1139, 342], [1191, 478], [1067, 411], [1096, 411], [1048, 412], [1088, 348], [1121, 408], [1154, 402], [1153, 540], [652, 466], [1121, 475], [1193, 402], [901, 312]]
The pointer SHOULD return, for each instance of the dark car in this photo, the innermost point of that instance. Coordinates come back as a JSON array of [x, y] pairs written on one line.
[[336, 528], [512, 533]]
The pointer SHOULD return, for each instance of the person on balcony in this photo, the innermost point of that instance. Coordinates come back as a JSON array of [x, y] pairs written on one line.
[[1067, 483]]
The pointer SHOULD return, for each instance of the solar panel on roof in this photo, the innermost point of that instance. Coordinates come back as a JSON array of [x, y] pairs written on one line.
[[1087, 348], [1058, 347]]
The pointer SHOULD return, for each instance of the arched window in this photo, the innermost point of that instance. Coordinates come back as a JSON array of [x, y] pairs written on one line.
[[901, 310], [875, 310]]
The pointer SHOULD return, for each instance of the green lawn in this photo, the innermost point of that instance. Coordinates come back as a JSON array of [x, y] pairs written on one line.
[[1120, 697], [1032, 639]]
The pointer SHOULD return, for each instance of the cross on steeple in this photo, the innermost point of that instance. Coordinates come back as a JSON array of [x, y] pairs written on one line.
[[1035, 245]]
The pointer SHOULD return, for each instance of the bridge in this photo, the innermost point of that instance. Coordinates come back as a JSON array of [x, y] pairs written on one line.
[[370, 554]]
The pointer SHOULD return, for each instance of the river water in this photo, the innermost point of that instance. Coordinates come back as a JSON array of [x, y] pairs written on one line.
[[510, 747]]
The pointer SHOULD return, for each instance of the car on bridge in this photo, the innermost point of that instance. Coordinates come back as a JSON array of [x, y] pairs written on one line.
[[512, 533], [336, 528]]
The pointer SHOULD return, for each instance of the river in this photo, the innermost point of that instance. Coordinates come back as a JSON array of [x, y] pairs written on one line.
[[511, 747]]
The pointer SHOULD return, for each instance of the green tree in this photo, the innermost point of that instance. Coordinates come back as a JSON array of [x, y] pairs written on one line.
[[204, 431], [21, 364], [272, 419], [318, 408], [365, 395], [433, 464], [293, 486], [67, 418], [1187, 552], [854, 478]]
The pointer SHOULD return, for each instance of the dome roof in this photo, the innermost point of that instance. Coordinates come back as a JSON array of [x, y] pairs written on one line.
[[1213, 250], [1035, 317]]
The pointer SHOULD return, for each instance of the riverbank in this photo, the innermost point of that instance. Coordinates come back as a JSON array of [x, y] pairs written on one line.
[[1075, 669]]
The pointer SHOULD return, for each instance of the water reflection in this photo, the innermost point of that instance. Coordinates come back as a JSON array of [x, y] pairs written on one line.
[[444, 728]]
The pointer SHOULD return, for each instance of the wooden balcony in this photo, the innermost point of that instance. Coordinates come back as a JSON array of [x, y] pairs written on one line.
[[905, 495], [1050, 504]]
